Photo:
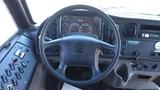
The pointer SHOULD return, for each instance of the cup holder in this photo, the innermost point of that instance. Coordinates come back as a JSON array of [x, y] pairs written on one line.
[[118, 77]]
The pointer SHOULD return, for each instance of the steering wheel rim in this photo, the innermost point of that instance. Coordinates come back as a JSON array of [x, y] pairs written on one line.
[[59, 41]]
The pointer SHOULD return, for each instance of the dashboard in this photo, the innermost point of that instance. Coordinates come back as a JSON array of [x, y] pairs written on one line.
[[139, 58], [140, 48], [140, 45], [139, 38]]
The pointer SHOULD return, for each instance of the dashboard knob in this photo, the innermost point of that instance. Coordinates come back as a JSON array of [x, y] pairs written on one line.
[[146, 35], [155, 66], [134, 65], [155, 54], [145, 66], [123, 52], [136, 53]]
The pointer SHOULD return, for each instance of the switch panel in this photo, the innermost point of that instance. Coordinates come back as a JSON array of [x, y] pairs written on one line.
[[145, 66], [17, 68], [20, 53]]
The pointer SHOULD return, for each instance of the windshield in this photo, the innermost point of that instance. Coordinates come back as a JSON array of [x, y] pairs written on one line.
[[8, 28], [41, 9]]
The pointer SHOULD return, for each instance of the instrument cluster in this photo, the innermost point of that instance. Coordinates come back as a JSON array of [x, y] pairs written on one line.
[[80, 24]]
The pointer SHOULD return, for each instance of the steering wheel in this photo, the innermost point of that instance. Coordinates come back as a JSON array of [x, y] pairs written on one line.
[[79, 49]]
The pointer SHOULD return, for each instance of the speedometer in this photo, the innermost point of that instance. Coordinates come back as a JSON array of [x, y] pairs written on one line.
[[74, 27], [85, 28]]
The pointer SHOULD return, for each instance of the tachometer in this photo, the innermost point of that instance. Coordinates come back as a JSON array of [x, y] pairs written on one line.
[[74, 27], [85, 28]]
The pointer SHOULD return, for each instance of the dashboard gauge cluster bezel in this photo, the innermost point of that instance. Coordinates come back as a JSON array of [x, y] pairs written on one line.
[[85, 14]]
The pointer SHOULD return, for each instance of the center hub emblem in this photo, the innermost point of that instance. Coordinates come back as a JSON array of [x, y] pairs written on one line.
[[80, 48]]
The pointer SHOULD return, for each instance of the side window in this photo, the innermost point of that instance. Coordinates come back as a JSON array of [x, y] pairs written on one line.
[[7, 26]]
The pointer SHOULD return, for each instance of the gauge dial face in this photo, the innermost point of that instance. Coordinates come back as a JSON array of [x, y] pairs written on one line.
[[85, 28], [74, 27]]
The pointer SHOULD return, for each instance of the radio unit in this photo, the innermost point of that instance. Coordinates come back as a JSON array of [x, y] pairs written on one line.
[[149, 31], [149, 34]]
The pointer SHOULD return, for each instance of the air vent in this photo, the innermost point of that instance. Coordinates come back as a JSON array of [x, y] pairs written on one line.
[[52, 31], [130, 30]]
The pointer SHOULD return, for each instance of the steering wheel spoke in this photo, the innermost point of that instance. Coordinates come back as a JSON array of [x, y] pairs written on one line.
[[108, 46], [62, 69], [51, 43], [95, 71]]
